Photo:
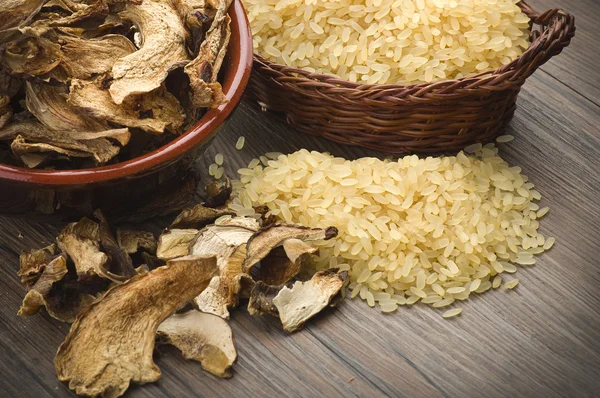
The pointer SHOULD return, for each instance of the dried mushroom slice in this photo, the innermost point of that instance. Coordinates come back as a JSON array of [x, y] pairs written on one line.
[[33, 262], [84, 58], [86, 11], [110, 344], [198, 217], [153, 112], [163, 37], [32, 56], [131, 241], [203, 70], [304, 300], [16, 12], [261, 299], [49, 105], [224, 290], [218, 194], [227, 240], [285, 262], [175, 243], [34, 138], [5, 110], [205, 338], [62, 303], [274, 235], [119, 258], [81, 241]]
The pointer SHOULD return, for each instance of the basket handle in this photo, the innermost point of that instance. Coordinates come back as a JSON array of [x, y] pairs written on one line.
[[558, 30]]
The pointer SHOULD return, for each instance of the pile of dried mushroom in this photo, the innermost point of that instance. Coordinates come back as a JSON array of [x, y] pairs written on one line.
[[87, 82], [124, 290]]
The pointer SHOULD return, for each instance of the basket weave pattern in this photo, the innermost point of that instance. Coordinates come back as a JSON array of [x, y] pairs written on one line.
[[429, 117]]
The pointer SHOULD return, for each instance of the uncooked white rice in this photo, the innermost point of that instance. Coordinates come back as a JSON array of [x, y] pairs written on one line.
[[219, 159], [389, 41], [240, 143], [452, 312], [511, 284], [434, 229]]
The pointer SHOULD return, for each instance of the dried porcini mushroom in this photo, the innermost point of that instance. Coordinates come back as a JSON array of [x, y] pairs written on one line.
[[31, 137], [49, 105], [272, 236], [285, 262], [205, 338], [218, 194], [131, 241], [84, 58], [227, 240], [175, 243], [203, 70], [15, 12], [153, 112], [110, 344], [81, 241], [198, 217], [120, 259], [261, 299], [33, 262], [5, 110], [32, 56], [163, 36], [304, 300], [62, 303]]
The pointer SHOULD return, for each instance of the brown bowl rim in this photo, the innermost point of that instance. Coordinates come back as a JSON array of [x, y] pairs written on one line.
[[234, 84]]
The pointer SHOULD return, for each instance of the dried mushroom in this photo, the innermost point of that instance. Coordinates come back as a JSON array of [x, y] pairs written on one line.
[[32, 56], [31, 137], [49, 105], [304, 300], [175, 243], [203, 70], [81, 241], [83, 73], [285, 262], [205, 338], [15, 12], [272, 236], [131, 241], [198, 217], [119, 258], [84, 58], [33, 262], [163, 37], [261, 299], [62, 303], [227, 240], [153, 112], [110, 344], [218, 194]]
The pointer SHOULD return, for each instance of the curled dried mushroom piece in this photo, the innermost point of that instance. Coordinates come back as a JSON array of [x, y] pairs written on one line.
[[153, 112], [272, 236], [15, 12], [227, 240], [131, 241], [261, 299], [49, 291], [33, 262], [205, 338], [163, 38], [110, 344], [175, 243], [198, 217], [304, 300], [285, 262], [81, 241]]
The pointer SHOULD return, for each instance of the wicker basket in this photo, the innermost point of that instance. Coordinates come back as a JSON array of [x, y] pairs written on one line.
[[432, 117]]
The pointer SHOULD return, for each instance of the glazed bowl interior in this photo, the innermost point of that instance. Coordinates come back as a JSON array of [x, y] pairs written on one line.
[[235, 73]]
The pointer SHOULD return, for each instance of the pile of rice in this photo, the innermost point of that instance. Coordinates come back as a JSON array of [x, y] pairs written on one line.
[[389, 41], [433, 230]]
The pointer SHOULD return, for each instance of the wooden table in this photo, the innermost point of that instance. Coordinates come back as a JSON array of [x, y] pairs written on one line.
[[540, 340]]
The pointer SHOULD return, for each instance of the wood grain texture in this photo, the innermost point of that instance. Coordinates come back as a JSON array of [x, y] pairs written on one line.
[[539, 340]]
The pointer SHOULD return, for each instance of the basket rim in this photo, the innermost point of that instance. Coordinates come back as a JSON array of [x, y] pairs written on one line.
[[333, 81]]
